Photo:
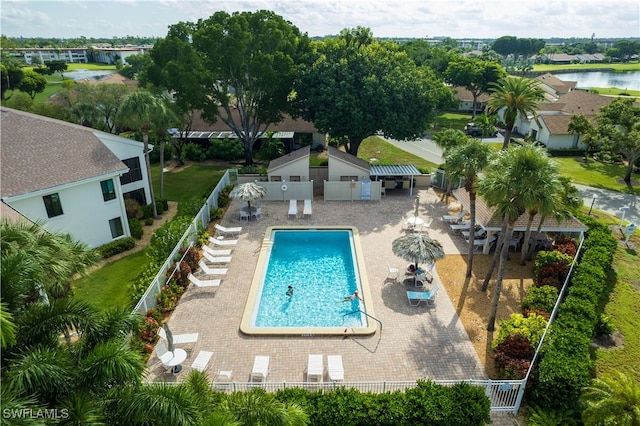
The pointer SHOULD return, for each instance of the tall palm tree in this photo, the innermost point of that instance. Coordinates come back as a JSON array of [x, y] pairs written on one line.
[[514, 95], [612, 401], [467, 161], [145, 112], [447, 140]]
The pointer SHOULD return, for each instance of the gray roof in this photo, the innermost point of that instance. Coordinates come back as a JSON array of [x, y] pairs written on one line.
[[395, 170], [347, 158], [39, 153], [289, 158]]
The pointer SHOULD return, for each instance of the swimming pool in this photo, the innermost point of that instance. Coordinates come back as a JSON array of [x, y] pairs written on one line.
[[323, 265]]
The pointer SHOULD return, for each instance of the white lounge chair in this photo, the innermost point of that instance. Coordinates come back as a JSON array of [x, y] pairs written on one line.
[[203, 283], [393, 272], [222, 379], [479, 233], [260, 370], [315, 368], [307, 210], [214, 252], [454, 217], [219, 242], [293, 208], [179, 339], [211, 271], [417, 297], [201, 361], [335, 368], [231, 231], [216, 259], [461, 226]]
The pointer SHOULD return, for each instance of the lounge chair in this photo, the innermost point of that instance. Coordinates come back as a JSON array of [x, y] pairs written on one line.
[[454, 217], [307, 208], [170, 360], [219, 242], [201, 361], [479, 233], [315, 368], [216, 259], [214, 252], [179, 339], [230, 231], [211, 271], [257, 212], [335, 368], [461, 226], [260, 369], [417, 297], [293, 208], [203, 283], [393, 272]]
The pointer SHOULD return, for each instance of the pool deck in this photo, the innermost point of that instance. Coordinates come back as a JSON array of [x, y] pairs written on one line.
[[415, 342]]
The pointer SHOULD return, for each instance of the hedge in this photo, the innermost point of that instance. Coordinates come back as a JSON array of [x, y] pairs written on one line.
[[566, 363]]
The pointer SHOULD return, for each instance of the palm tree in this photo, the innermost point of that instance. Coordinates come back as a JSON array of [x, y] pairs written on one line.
[[467, 161], [141, 110], [612, 401], [514, 95], [447, 140], [258, 407]]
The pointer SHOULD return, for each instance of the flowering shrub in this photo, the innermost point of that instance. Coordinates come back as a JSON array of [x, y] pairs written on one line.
[[567, 246], [148, 332], [513, 357], [180, 275], [169, 295]]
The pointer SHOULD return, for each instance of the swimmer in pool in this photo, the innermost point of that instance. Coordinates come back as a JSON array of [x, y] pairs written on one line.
[[354, 296], [290, 291]]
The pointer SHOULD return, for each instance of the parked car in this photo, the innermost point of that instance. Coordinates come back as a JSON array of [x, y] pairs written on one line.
[[471, 129]]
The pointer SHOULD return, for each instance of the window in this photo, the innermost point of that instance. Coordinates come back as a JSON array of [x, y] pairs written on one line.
[[276, 178], [534, 134], [138, 195], [135, 172], [116, 227], [108, 191], [294, 178], [348, 178], [53, 205]]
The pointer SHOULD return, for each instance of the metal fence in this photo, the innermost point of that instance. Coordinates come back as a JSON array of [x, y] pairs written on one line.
[[202, 219]]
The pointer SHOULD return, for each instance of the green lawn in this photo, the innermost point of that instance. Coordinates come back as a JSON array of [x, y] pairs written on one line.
[[596, 174], [452, 120], [109, 286], [633, 66], [185, 183], [386, 154]]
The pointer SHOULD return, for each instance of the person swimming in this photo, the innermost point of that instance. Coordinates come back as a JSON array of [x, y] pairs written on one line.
[[354, 296], [290, 291]]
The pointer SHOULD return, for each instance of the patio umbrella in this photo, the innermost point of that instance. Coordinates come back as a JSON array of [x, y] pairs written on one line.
[[417, 247], [248, 192], [415, 214], [170, 346]]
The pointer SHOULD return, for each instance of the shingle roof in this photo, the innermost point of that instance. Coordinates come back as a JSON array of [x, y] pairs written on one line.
[[560, 86], [40, 152], [290, 157], [578, 102], [463, 94], [348, 158], [490, 220], [557, 124]]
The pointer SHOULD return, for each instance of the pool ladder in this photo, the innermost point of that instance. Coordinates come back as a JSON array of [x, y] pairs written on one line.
[[363, 312]]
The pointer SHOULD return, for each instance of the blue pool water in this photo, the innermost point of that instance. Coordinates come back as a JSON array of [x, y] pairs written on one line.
[[320, 266]]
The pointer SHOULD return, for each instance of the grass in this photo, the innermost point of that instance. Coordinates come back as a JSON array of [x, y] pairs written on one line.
[[384, 153], [596, 174], [109, 286], [614, 91], [185, 183], [452, 120], [632, 66]]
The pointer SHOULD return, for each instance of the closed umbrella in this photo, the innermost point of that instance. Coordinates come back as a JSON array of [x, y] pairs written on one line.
[[415, 214], [170, 346], [417, 247], [248, 192]]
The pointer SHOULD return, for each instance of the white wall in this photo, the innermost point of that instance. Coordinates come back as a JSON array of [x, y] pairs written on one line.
[[85, 213], [299, 168], [339, 168]]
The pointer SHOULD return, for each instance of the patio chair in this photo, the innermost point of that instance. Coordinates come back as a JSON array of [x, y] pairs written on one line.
[[315, 368], [393, 272], [260, 370], [335, 368], [235, 230], [257, 213], [479, 233], [460, 226], [243, 215], [201, 361], [417, 297], [203, 283], [221, 242], [293, 208], [214, 252], [307, 208], [216, 259], [211, 271], [454, 218], [179, 339]]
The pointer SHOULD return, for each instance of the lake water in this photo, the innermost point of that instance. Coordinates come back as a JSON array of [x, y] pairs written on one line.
[[82, 74], [622, 80]]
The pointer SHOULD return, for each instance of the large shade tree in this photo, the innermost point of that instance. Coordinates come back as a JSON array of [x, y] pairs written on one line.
[[353, 87], [512, 96]]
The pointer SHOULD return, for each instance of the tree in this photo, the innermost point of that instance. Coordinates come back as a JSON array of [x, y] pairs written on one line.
[[57, 66], [580, 126], [145, 112], [619, 130], [467, 161], [513, 96], [32, 83], [613, 400], [10, 75], [250, 61], [108, 98], [475, 75], [353, 87], [447, 140]]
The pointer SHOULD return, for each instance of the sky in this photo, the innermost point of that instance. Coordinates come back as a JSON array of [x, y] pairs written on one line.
[[386, 18]]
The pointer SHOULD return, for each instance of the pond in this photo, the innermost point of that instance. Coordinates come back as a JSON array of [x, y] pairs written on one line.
[[83, 74], [622, 80]]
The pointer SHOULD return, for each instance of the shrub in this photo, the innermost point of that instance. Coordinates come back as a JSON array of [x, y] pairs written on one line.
[[531, 327], [567, 246], [225, 149], [604, 326], [147, 211], [540, 298], [116, 247], [148, 332], [136, 228], [148, 221], [180, 275], [215, 213], [551, 268], [133, 209], [513, 357], [169, 296], [166, 237], [193, 152]]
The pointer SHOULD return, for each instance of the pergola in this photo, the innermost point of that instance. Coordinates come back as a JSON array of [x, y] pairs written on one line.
[[395, 174]]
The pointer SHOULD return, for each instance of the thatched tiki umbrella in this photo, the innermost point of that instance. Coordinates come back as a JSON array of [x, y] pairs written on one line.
[[417, 247], [248, 192]]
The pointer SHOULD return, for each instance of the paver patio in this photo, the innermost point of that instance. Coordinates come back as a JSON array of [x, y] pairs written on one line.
[[415, 342]]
